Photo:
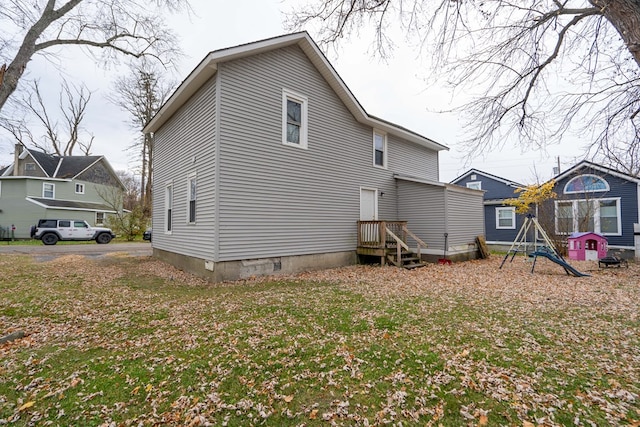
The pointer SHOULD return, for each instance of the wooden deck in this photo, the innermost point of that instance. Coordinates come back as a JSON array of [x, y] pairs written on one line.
[[389, 241]]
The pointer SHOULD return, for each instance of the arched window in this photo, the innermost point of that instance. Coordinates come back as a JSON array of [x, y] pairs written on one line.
[[586, 183]]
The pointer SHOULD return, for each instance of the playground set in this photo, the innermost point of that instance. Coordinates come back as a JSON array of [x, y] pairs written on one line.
[[546, 249]]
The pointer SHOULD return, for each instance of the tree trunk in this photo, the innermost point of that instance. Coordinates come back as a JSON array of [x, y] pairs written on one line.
[[624, 15]]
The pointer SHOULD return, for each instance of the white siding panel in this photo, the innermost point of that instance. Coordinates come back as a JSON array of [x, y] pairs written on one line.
[[411, 159], [277, 200], [186, 144], [465, 217], [423, 207]]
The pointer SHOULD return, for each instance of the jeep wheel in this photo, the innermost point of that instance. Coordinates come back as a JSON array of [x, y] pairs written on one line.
[[103, 238], [50, 239]]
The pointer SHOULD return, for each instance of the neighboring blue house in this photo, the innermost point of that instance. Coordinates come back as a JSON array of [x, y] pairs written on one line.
[[595, 198], [500, 220]]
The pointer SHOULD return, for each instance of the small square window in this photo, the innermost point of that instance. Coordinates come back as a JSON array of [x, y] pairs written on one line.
[[505, 218], [29, 167], [79, 188]]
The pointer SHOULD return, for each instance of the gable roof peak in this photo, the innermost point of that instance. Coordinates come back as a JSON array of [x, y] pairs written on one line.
[[209, 66]]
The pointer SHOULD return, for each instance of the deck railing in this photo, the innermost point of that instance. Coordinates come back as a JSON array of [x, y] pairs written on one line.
[[386, 234]]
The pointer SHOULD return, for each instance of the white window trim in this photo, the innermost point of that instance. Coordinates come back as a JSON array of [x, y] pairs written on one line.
[[168, 187], [81, 188], [53, 187], [511, 209], [304, 101], [104, 216], [608, 188], [192, 176], [472, 185], [596, 214], [385, 148]]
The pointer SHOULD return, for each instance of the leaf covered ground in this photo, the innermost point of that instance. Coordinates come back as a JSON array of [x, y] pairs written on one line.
[[124, 341]]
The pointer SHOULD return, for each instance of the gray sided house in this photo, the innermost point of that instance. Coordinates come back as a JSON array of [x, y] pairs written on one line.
[[39, 185], [264, 162], [501, 221], [595, 198]]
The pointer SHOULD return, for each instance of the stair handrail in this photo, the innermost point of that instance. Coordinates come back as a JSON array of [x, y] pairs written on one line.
[[416, 238], [399, 244]]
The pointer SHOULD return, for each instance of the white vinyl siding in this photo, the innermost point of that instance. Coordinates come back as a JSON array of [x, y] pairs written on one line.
[[598, 215], [506, 218], [186, 143], [257, 197]]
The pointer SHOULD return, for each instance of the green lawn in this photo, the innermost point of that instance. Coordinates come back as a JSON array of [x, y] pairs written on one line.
[[135, 342]]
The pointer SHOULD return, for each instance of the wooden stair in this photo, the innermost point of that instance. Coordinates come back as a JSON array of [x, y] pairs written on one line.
[[389, 241], [408, 260]]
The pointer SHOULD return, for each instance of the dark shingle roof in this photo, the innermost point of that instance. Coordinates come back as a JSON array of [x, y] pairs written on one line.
[[71, 166], [46, 161]]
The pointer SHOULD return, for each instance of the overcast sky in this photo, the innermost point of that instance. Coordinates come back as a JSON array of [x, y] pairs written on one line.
[[397, 90]]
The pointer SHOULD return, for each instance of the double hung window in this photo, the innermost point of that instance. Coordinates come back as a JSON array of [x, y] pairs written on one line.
[[379, 149], [192, 198], [294, 119]]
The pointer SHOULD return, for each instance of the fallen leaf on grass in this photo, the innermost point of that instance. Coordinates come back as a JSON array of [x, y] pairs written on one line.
[[288, 398], [313, 415], [26, 405]]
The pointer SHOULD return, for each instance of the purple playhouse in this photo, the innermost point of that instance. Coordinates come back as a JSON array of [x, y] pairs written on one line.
[[587, 246]]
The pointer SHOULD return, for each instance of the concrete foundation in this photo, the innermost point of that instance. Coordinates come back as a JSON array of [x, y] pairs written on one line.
[[244, 269]]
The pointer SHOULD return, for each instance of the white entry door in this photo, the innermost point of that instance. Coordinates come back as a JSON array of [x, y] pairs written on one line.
[[368, 212], [368, 204]]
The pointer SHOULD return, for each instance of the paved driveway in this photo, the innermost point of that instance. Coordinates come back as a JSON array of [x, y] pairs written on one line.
[[44, 253]]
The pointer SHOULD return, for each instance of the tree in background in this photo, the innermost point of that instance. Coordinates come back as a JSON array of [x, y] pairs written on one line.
[[127, 222], [111, 27], [131, 195], [60, 137], [538, 69], [141, 94]]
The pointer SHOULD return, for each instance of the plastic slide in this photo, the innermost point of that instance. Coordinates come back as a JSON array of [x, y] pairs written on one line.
[[568, 268]]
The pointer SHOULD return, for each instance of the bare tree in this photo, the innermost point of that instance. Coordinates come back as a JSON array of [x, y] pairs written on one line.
[[131, 195], [113, 27], [538, 68], [141, 94], [60, 137]]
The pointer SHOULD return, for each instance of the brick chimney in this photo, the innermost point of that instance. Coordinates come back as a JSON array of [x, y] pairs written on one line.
[[16, 159]]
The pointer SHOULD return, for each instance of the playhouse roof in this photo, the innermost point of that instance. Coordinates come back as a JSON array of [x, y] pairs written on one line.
[[585, 233]]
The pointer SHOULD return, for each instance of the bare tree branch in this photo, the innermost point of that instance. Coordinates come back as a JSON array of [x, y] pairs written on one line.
[[512, 61], [124, 27]]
